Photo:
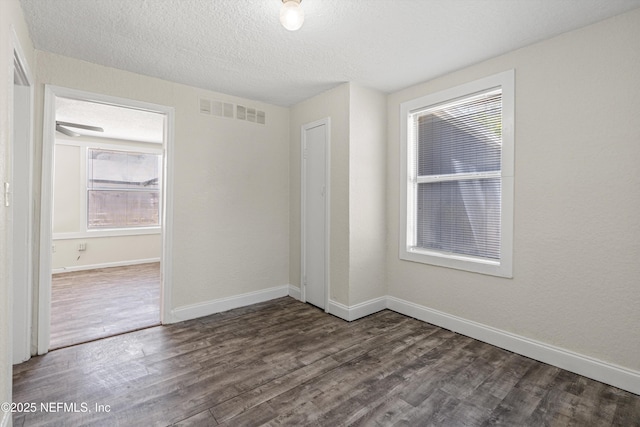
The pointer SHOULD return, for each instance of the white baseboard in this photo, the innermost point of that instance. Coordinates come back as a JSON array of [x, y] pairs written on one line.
[[354, 312], [617, 376], [6, 418], [608, 373], [206, 308], [294, 292], [338, 310], [104, 265]]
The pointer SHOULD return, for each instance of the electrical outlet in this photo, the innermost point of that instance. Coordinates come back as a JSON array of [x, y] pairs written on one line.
[[53, 248], [82, 246]]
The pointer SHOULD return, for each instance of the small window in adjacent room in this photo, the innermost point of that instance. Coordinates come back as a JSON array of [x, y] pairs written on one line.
[[123, 189], [457, 177]]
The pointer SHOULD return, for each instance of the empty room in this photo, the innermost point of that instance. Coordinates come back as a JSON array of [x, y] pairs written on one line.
[[320, 212]]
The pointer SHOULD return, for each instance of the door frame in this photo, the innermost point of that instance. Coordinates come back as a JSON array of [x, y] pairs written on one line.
[[46, 207], [22, 301], [327, 207]]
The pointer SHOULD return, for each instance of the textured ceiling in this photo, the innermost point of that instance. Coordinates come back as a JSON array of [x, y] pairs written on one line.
[[238, 47]]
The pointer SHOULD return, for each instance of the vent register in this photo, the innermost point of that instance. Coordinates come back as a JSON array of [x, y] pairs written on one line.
[[212, 107]]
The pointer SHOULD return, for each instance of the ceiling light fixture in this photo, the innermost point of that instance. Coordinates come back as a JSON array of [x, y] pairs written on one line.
[[291, 15]]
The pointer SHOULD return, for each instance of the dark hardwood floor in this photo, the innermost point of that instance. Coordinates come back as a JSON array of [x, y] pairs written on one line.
[[287, 363], [92, 304]]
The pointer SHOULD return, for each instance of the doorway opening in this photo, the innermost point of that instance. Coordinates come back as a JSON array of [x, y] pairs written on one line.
[[105, 217]]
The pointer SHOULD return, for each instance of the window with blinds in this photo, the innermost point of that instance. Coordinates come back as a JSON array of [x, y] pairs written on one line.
[[123, 189], [455, 199]]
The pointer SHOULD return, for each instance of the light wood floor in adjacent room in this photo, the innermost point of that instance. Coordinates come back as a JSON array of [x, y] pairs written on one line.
[[91, 304], [287, 363]]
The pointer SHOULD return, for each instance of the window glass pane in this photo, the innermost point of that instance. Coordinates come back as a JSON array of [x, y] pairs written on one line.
[[119, 169], [123, 189], [118, 209], [461, 137], [461, 217]]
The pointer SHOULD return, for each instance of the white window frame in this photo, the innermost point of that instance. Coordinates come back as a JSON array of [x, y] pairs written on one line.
[[504, 266], [86, 232]]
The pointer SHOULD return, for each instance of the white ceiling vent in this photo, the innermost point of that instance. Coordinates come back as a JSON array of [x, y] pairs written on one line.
[[228, 110], [216, 108], [251, 114], [241, 112], [205, 106]]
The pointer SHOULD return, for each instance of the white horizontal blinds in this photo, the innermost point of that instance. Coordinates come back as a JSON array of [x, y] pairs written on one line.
[[123, 189], [121, 209], [458, 149], [460, 217]]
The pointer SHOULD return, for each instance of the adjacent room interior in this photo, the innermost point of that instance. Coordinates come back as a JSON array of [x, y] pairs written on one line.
[[107, 228], [388, 212]]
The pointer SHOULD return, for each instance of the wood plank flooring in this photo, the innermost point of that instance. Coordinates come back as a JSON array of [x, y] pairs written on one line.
[[287, 363], [92, 304]]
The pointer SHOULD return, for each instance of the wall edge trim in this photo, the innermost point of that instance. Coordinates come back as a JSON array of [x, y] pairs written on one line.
[[598, 370], [357, 311], [608, 373], [193, 311], [104, 265], [295, 292], [338, 309]]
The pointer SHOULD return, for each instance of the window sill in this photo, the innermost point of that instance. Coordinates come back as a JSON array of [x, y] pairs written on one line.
[[141, 231], [458, 262]]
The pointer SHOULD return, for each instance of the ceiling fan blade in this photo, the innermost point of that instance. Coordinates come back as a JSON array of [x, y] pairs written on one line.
[[79, 126], [66, 131]]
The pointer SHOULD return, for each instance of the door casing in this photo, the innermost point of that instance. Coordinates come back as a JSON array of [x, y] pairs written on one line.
[[21, 204], [46, 203], [326, 122]]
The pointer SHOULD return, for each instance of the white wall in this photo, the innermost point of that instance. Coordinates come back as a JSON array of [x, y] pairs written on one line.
[[231, 191], [576, 281], [367, 194], [358, 235], [108, 251], [69, 194], [11, 19], [67, 189]]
